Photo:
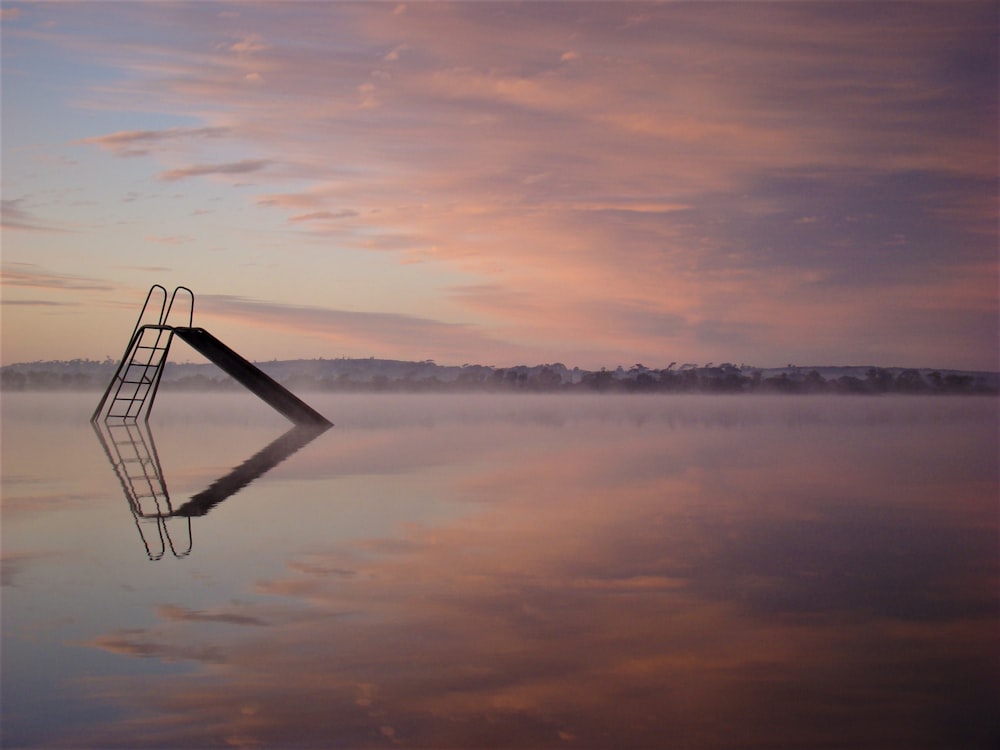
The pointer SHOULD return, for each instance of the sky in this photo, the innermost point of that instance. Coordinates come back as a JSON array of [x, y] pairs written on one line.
[[501, 183]]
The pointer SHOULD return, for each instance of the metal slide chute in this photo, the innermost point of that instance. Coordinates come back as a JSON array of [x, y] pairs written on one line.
[[250, 376]]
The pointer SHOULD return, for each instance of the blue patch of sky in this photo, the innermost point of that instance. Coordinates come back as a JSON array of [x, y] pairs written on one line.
[[49, 79], [45, 88], [47, 166]]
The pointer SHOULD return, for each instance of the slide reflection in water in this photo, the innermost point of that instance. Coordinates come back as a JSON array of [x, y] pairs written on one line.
[[132, 452]]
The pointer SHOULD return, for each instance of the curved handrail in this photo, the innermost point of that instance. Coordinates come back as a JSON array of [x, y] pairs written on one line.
[[170, 539], [142, 313], [149, 552], [173, 296]]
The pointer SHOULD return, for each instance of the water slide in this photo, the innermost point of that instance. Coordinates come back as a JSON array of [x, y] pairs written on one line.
[[250, 376]]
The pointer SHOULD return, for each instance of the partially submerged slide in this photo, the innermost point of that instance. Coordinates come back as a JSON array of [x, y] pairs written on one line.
[[251, 376]]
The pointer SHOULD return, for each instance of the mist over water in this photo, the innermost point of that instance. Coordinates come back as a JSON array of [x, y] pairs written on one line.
[[504, 571]]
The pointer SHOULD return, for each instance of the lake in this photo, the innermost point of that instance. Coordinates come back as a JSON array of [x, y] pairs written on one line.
[[500, 571]]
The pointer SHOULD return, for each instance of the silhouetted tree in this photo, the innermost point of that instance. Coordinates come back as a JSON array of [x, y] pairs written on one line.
[[879, 379], [910, 381]]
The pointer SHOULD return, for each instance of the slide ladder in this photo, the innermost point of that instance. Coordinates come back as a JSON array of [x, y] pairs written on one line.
[[132, 452], [132, 389]]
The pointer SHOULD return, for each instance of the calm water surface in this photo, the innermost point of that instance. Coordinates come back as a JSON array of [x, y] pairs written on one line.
[[523, 572]]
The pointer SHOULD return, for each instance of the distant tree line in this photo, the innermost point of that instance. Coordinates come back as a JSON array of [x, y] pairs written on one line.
[[429, 378], [729, 378], [76, 374]]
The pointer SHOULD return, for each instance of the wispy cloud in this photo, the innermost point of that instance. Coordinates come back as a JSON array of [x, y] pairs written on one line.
[[12, 566], [323, 216], [138, 643], [182, 614], [35, 277], [169, 240], [127, 143], [414, 337], [245, 166], [151, 269], [37, 303], [13, 216]]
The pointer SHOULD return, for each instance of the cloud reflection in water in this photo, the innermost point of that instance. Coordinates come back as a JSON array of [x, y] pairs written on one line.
[[829, 581]]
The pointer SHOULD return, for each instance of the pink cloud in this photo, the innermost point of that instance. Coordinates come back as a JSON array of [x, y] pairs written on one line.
[[593, 158], [127, 143], [36, 277], [407, 336], [248, 45]]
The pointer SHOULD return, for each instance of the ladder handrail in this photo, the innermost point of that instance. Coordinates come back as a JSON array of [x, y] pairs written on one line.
[[155, 384], [165, 316], [162, 522], [138, 322], [117, 377]]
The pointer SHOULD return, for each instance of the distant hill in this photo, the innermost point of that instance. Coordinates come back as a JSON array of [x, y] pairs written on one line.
[[395, 375]]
